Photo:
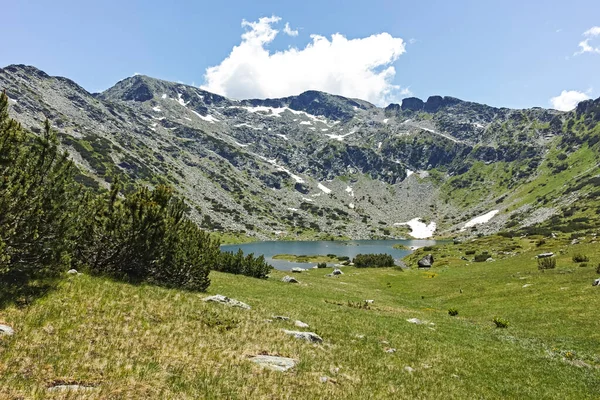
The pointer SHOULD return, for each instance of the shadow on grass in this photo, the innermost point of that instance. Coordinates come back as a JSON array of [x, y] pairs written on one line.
[[23, 294]]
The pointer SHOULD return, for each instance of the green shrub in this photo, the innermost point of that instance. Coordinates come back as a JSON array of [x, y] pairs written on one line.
[[546, 263], [583, 265], [322, 265], [500, 322], [343, 258], [580, 258], [373, 260], [470, 252], [144, 236], [452, 312], [481, 257], [239, 264]]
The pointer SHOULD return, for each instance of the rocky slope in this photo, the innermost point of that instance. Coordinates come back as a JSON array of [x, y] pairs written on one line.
[[302, 166]]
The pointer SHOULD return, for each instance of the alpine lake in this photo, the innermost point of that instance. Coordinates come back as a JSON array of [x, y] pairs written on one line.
[[313, 248]]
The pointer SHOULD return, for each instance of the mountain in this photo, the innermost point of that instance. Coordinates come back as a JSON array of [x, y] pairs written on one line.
[[320, 165]]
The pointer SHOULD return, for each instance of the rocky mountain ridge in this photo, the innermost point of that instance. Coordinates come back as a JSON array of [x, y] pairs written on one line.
[[312, 165]]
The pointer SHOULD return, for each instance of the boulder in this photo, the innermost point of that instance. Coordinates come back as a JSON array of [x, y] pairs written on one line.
[[218, 298], [337, 272], [426, 262], [274, 363], [545, 255], [575, 241], [308, 336], [6, 330], [596, 282], [289, 279], [72, 272], [298, 270], [301, 324]]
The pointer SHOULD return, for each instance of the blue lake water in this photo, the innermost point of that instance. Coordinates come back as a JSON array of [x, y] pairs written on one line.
[[346, 248]]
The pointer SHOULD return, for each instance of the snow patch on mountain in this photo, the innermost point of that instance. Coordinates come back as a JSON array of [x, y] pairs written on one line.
[[419, 229], [208, 118], [324, 188], [482, 219]]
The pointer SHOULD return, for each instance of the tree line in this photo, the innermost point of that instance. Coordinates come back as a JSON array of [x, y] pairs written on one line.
[[50, 223]]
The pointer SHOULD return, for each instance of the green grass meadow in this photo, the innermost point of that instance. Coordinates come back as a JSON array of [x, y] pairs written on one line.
[[134, 342]]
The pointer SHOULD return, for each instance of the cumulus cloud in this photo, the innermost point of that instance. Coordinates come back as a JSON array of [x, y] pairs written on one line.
[[288, 30], [568, 100], [585, 46], [360, 68]]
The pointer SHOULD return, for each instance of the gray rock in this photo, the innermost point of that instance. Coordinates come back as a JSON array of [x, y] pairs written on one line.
[[72, 272], [426, 262], [324, 379], [391, 350], [274, 363], [545, 255], [337, 272], [6, 330], [409, 369], [281, 317], [308, 336], [289, 279], [596, 282], [70, 388], [417, 321], [298, 270], [575, 241], [369, 301], [527, 285], [219, 298], [301, 324]]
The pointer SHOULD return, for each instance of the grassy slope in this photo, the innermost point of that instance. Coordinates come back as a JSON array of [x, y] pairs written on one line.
[[148, 342]]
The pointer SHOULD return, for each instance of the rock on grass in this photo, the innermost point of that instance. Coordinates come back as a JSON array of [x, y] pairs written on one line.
[[219, 298], [308, 336], [274, 363]]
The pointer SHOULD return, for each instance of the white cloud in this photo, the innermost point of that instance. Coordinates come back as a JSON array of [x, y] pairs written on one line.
[[289, 31], [585, 46], [360, 68], [568, 100]]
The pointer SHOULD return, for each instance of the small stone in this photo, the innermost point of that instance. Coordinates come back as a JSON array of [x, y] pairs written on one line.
[[369, 301], [70, 388], [455, 376], [281, 317], [301, 324], [274, 363], [289, 279], [219, 298], [575, 241], [527, 285], [324, 379], [360, 336], [596, 282], [390, 350], [308, 336], [6, 330], [417, 321], [72, 272], [409, 369]]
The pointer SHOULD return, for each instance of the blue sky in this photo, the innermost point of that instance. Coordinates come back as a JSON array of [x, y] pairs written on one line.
[[503, 53]]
